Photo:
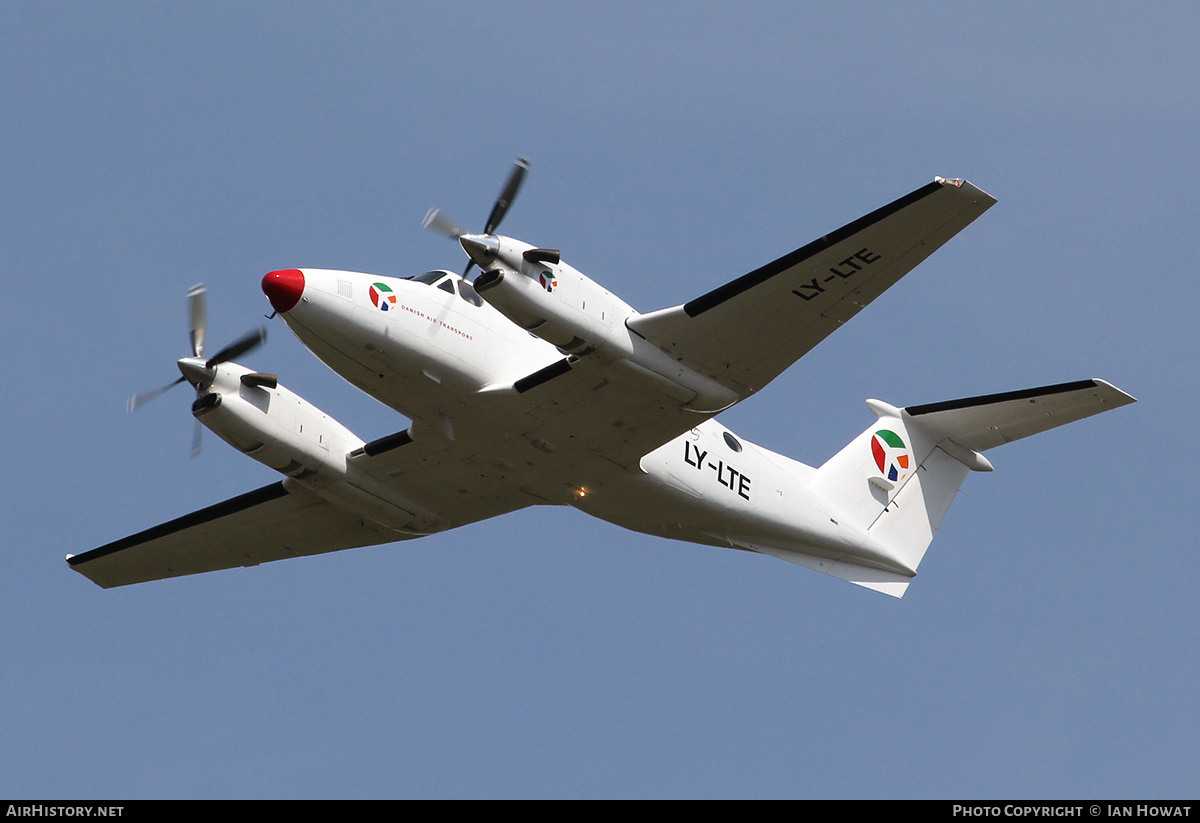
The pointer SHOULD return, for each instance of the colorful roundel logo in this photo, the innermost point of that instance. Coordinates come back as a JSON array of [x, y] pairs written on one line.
[[382, 297], [891, 455], [548, 280]]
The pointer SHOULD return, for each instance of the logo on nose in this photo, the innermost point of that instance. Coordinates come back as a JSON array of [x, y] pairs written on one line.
[[382, 297]]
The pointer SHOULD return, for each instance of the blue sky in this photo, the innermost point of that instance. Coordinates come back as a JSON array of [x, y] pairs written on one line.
[[1045, 650]]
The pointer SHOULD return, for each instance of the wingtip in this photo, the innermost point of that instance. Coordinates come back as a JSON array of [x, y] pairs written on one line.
[[966, 185], [1120, 396]]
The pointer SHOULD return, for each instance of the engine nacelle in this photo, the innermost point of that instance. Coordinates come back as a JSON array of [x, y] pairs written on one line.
[[275, 426], [281, 430], [533, 288], [536, 290]]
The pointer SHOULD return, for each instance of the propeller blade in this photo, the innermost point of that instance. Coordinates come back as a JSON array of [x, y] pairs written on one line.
[[138, 400], [507, 195], [239, 347], [197, 317], [442, 224], [202, 373]]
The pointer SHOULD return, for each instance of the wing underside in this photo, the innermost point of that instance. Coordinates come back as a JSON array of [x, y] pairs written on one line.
[[271, 523], [748, 331]]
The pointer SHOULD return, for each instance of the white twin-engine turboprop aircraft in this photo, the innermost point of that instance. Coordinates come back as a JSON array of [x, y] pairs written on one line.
[[538, 386]]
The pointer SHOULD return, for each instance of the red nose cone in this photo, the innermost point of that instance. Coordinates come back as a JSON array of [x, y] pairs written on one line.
[[283, 288]]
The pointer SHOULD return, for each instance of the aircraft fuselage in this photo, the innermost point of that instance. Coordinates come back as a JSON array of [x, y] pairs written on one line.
[[430, 349]]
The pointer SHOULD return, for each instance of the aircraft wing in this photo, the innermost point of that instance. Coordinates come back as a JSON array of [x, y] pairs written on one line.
[[748, 331], [270, 523], [744, 334], [285, 519]]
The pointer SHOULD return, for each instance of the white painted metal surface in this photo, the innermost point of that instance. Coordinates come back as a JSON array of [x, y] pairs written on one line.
[[540, 387]]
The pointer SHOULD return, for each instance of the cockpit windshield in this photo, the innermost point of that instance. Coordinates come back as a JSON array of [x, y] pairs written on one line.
[[445, 281], [430, 277]]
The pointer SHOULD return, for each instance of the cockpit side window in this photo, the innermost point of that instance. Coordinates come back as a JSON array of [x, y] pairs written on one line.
[[447, 285], [467, 292]]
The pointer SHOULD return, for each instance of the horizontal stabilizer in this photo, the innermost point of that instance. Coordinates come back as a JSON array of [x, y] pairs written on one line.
[[980, 423]]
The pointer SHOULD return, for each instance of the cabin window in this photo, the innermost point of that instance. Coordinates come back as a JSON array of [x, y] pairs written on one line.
[[732, 442]]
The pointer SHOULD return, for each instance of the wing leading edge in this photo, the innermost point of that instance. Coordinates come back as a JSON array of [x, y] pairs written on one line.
[[979, 423], [272, 523], [748, 331]]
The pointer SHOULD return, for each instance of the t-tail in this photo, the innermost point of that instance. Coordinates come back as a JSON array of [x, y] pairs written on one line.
[[896, 480]]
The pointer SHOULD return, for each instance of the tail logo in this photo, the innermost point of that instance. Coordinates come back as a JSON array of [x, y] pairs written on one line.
[[891, 455], [382, 297]]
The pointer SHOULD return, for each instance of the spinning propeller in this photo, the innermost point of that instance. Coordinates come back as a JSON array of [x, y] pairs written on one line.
[[479, 243], [197, 370]]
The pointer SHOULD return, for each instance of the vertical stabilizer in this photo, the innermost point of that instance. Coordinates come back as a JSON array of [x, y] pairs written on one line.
[[867, 475], [897, 479]]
